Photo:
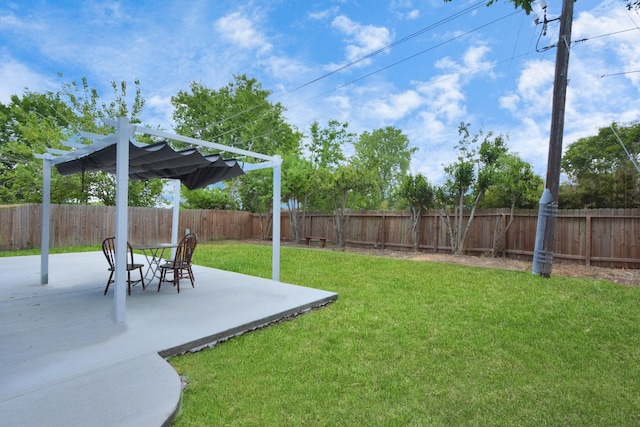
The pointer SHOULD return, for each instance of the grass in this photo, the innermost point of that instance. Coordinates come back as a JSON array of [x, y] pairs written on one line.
[[63, 250], [414, 343]]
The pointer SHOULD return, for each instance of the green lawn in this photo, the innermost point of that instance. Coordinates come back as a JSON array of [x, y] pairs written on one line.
[[416, 343], [36, 251]]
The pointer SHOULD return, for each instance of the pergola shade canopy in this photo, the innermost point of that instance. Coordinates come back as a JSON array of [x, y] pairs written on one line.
[[159, 160]]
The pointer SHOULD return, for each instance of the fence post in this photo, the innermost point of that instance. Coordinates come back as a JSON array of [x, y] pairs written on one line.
[[587, 249]]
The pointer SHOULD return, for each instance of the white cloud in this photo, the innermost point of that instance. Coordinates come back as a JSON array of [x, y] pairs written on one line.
[[473, 62], [9, 21], [285, 68], [532, 96], [414, 14], [444, 96], [323, 14], [362, 39], [16, 75], [241, 31], [160, 108], [395, 107]]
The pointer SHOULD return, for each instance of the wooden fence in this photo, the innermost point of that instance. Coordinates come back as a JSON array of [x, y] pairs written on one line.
[[599, 237], [20, 226]]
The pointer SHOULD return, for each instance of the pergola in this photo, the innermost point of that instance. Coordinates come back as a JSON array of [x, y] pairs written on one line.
[[120, 154]]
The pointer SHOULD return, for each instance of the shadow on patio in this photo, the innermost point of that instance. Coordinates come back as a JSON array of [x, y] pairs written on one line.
[[65, 361]]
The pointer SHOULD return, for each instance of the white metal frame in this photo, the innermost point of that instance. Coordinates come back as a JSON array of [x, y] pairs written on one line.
[[124, 132]]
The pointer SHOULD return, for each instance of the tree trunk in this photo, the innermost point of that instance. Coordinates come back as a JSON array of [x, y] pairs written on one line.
[[415, 222], [499, 234]]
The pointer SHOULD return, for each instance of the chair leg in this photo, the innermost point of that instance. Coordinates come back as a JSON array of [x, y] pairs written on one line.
[[191, 276], [108, 283], [142, 279], [176, 278], [163, 272], [128, 282]]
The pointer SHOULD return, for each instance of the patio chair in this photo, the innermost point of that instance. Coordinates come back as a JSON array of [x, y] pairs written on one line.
[[109, 250], [180, 266]]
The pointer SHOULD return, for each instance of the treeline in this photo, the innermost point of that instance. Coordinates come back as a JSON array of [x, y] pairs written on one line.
[[326, 168]]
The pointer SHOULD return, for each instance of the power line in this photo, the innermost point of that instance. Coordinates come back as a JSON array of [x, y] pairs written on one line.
[[386, 48], [408, 58], [619, 74]]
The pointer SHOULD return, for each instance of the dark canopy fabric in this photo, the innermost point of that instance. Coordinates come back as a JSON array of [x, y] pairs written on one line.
[[159, 161]]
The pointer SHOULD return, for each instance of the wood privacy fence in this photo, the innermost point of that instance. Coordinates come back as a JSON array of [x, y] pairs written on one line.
[[20, 226], [599, 237]]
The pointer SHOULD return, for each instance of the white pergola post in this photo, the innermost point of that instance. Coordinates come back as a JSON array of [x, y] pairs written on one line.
[[275, 249], [46, 219], [122, 221], [175, 220]]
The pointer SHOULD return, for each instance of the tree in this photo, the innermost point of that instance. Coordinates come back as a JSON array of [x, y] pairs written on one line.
[[237, 115], [526, 5], [31, 124], [37, 121], [635, 4], [385, 152], [326, 146], [298, 185], [600, 172], [213, 197], [325, 151], [514, 185], [348, 184], [255, 193], [419, 195], [467, 180]]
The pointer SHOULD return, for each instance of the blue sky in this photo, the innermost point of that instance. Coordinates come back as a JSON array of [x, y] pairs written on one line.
[[438, 64]]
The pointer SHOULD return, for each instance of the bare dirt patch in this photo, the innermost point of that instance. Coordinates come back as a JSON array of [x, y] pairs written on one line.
[[622, 276], [629, 277]]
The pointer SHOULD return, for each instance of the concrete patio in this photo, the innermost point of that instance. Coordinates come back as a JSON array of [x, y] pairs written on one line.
[[64, 361]]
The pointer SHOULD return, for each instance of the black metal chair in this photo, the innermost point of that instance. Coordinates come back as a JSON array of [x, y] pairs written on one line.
[[109, 250], [180, 266]]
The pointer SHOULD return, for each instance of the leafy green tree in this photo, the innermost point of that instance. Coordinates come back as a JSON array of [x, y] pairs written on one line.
[[386, 152], [326, 145], [325, 150], [600, 172], [213, 197], [37, 121], [349, 182], [419, 194], [299, 183], [238, 115], [514, 185], [256, 195], [526, 5], [467, 181], [31, 124]]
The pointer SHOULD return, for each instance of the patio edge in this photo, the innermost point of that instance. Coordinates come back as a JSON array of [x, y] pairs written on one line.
[[213, 340]]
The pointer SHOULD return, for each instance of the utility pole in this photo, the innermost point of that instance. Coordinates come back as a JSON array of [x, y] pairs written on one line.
[[548, 209]]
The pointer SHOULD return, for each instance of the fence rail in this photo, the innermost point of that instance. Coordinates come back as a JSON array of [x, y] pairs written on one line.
[[599, 237]]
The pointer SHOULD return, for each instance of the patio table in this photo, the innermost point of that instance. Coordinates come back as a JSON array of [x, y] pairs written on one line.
[[154, 252]]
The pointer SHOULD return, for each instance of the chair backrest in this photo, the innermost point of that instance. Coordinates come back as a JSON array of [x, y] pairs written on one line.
[[109, 250], [185, 249]]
